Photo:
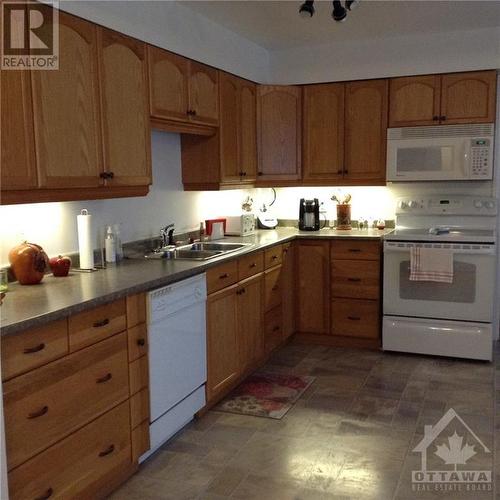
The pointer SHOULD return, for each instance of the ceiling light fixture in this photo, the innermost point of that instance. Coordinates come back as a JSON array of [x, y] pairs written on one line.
[[339, 12], [307, 9]]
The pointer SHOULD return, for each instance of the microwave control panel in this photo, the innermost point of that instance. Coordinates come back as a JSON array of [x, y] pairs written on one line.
[[481, 158]]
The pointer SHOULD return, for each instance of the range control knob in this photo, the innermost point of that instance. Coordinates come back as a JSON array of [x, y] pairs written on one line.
[[478, 204], [490, 204], [402, 204], [413, 204]]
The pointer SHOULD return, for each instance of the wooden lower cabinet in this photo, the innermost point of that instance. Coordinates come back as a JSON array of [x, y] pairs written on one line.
[[76, 423], [250, 318], [355, 318], [72, 467], [313, 287], [222, 341], [288, 280]]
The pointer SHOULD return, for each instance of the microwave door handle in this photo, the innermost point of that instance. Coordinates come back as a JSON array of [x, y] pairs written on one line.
[[467, 159]]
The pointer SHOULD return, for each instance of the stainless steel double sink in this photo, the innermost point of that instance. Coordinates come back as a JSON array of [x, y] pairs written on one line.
[[196, 251]]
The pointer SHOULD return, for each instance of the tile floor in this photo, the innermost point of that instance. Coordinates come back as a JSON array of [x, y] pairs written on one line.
[[350, 436]]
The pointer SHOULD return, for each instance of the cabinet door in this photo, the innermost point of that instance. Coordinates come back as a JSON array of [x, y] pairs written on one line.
[[250, 320], [229, 128], [17, 148], [124, 95], [323, 131], [366, 130], [313, 286], [222, 341], [288, 288], [203, 93], [414, 101], [168, 84], [468, 97], [248, 130], [66, 111], [279, 132]]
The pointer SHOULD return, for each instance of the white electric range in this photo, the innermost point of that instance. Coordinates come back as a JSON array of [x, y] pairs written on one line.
[[447, 319]]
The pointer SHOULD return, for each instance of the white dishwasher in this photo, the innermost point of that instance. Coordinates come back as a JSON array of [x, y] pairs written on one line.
[[177, 356]]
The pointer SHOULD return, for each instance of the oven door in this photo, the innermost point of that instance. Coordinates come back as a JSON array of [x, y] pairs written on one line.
[[429, 159], [469, 297]]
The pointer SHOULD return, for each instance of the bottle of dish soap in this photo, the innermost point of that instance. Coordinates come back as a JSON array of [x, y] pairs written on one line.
[[110, 245]]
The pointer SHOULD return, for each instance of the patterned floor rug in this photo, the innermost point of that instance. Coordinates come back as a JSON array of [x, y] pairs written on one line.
[[268, 395]]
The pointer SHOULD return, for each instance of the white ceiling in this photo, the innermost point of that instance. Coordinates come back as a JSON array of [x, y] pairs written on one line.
[[276, 25]]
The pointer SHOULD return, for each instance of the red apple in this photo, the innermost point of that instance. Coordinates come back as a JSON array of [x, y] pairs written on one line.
[[60, 265]]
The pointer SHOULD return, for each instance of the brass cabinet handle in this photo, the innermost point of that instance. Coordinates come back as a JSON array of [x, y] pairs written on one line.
[[340, 172], [253, 264], [260, 173], [435, 118], [31, 350], [274, 257], [354, 250], [276, 328], [276, 287], [223, 276], [141, 342], [99, 324], [46, 495], [104, 379], [442, 118], [107, 451], [38, 413], [353, 318], [354, 279]]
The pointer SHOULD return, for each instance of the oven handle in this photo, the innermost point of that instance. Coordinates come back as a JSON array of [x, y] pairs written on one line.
[[393, 247]]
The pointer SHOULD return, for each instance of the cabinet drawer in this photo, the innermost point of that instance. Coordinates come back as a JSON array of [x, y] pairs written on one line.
[[89, 327], [137, 341], [69, 468], [273, 256], [356, 279], [50, 402], [138, 375], [250, 265], [355, 250], [140, 440], [273, 328], [221, 276], [356, 318], [272, 289], [139, 408], [33, 348]]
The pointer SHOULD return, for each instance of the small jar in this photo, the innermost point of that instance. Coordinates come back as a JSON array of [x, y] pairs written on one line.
[[344, 217]]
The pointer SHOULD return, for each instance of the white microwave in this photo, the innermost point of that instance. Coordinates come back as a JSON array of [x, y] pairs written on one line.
[[440, 153]]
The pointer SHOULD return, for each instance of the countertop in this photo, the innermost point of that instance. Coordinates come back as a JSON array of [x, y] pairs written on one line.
[[56, 298]]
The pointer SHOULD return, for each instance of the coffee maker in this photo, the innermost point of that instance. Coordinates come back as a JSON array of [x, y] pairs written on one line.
[[309, 215]]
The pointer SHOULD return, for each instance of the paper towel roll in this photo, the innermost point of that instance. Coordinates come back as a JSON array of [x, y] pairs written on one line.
[[85, 246]]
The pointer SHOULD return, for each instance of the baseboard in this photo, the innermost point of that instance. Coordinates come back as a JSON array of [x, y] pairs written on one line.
[[337, 341]]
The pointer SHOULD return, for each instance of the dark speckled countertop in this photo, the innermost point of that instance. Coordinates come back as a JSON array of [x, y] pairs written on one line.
[[55, 298]]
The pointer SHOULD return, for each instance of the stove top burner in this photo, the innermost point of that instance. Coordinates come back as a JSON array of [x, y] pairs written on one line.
[[442, 233]]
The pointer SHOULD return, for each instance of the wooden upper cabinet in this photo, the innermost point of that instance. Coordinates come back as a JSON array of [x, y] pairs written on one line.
[[17, 148], [125, 114], [203, 93], [366, 130], [279, 133], [248, 130], [468, 97], [323, 130], [168, 84], [66, 111], [414, 100], [229, 128], [443, 99]]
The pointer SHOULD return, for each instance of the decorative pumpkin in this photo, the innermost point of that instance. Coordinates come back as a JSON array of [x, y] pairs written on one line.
[[28, 263]]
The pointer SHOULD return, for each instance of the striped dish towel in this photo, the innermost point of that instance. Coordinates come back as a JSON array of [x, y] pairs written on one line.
[[431, 264]]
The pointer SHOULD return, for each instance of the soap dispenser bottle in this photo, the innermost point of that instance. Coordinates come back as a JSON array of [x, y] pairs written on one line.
[[110, 245]]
